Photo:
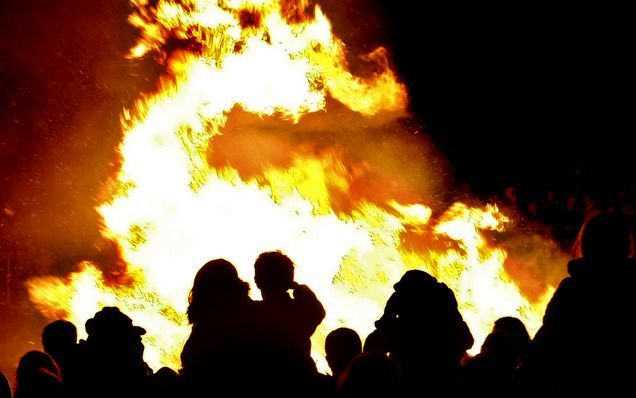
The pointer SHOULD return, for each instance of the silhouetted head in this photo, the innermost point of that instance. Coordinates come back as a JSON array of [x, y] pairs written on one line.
[[507, 342], [273, 273], [501, 348], [371, 375], [5, 387], [515, 328], [341, 346], [414, 280], [167, 380], [166, 375], [376, 342], [550, 196], [216, 286], [570, 203], [606, 237], [38, 375], [511, 195], [59, 337], [114, 345], [112, 327]]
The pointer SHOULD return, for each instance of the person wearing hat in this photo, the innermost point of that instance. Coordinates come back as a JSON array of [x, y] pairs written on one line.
[[111, 358], [423, 330]]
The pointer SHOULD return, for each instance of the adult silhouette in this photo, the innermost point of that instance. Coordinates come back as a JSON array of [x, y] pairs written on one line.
[[287, 323], [424, 332], [38, 376], [59, 340], [586, 342], [217, 357], [110, 360], [493, 371]]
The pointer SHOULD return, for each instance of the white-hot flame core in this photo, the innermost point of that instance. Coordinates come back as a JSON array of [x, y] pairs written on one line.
[[170, 212]]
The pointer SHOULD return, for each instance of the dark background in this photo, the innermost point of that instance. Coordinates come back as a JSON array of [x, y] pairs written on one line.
[[537, 96], [522, 94]]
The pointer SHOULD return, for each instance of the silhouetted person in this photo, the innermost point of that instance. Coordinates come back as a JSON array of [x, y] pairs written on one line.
[[551, 209], [571, 220], [59, 340], [586, 343], [371, 375], [218, 354], [5, 387], [511, 198], [111, 358], [166, 384], [375, 342], [287, 322], [492, 372], [341, 346], [517, 330], [38, 376], [423, 330], [533, 211]]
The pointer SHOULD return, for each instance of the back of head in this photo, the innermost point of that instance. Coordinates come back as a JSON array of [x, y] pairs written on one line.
[[419, 297], [507, 343], [341, 346], [111, 328], [501, 348], [31, 367], [414, 281], [606, 237], [273, 272], [376, 341], [515, 328], [59, 337], [112, 354], [166, 382], [167, 375], [371, 374], [216, 285]]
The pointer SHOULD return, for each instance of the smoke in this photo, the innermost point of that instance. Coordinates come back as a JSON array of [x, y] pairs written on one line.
[[390, 156]]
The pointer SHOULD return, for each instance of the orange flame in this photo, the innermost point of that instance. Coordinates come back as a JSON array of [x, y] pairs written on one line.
[[170, 211]]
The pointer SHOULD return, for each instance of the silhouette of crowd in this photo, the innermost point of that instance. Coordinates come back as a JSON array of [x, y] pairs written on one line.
[[239, 346], [563, 211]]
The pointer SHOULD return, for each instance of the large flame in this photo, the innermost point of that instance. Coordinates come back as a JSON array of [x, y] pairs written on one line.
[[170, 211]]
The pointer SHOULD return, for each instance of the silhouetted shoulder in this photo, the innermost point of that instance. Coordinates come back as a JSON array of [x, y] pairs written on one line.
[[38, 376], [586, 340], [5, 387]]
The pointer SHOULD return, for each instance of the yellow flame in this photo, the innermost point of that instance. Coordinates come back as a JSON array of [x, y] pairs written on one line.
[[170, 211]]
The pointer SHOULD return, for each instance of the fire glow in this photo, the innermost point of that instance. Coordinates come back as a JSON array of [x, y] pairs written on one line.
[[170, 211]]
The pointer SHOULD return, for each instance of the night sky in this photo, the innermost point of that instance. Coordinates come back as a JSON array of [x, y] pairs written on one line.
[[522, 94]]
